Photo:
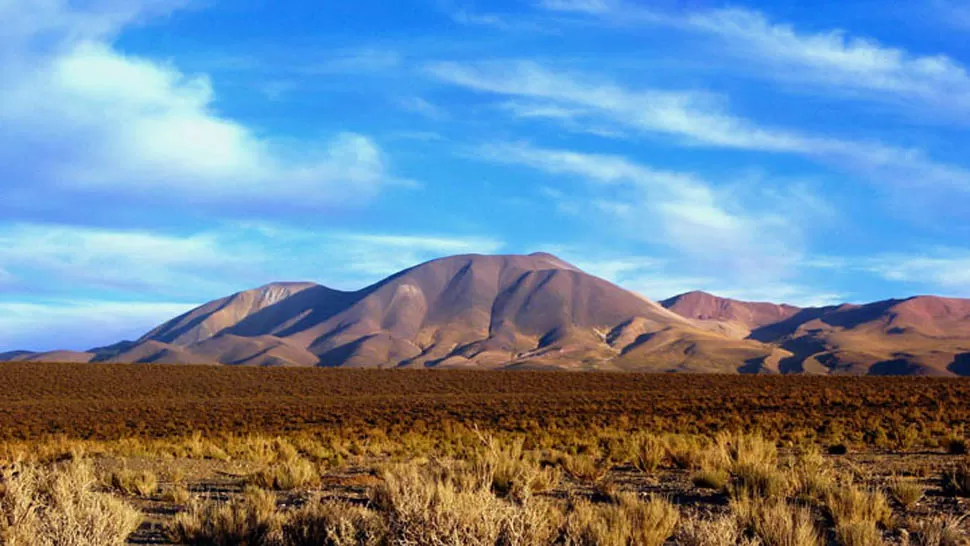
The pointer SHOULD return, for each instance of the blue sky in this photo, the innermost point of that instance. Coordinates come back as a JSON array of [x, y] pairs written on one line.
[[156, 154]]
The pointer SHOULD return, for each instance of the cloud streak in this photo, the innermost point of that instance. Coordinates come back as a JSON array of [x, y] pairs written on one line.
[[698, 119], [832, 60]]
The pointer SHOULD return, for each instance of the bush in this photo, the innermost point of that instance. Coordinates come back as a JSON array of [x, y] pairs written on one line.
[[585, 468], [333, 524], [628, 521], [775, 522], [711, 479], [956, 481], [955, 445], [251, 521], [129, 482], [907, 493], [287, 475], [58, 505], [650, 454]]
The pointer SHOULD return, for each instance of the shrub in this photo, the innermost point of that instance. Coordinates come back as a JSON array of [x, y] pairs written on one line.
[[775, 522], [448, 506], [650, 454], [628, 521], [711, 479], [858, 533], [286, 475], [585, 468], [514, 473], [58, 505], [142, 483], [838, 449], [956, 481], [849, 504], [907, 493], [940, 531], [955, 445], [251, 521], [719, 531], [333, 524]]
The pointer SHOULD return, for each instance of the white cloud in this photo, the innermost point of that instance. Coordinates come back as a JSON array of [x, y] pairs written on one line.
[[79, 324], [833, 60], [946, 272], [697, 118], [367, 258], [48, 258], [738, 235], [424, 107], [79, 115]]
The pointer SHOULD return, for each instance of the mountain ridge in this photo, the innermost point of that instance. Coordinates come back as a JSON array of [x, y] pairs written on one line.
[[538, 311]]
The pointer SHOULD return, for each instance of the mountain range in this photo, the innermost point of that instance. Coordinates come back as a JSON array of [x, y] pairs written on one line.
[[538, 311]]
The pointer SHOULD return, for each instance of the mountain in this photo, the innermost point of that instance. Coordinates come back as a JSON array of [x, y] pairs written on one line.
[[922, 335], [538, 311]]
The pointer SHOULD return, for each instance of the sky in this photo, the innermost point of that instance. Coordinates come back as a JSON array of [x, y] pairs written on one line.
[[157, 154]]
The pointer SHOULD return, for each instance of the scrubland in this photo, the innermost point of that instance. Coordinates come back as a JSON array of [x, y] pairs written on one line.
[[106, 455]]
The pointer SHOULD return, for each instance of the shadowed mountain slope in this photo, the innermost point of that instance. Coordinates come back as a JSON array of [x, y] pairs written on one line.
[[923, 335], [460, 311], [538, 311]]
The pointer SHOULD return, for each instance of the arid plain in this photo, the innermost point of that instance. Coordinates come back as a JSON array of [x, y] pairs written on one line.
[[156, 454]]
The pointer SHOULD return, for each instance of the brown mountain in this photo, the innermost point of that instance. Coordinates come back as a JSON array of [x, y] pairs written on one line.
[[923, 335], [461, 311], [538, 311]]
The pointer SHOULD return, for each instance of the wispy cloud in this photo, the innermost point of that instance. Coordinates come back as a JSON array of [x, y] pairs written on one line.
[[680, 211], [698, 119], [423, 107], [832, 60], [79, 324], [941, 271]]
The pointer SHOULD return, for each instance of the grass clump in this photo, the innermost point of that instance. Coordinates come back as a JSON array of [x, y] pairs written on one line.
[[58, 505], [628, 521], [333, 524], [251, 521], [286, 475], [711, 478], [906, 492], [130, 482], [649, 454]]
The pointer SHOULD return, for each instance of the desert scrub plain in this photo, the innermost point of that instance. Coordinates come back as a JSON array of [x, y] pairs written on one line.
[[109, 454]]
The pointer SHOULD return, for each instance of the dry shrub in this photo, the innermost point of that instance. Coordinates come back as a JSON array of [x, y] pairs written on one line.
[[251, 521], [717, 531], [939, 531], [649, 453], [58, 505], [849, 504], [956, 481], [177, 494], [130, 482], [585, 468], [333, 524], [514, 473], [287, 475], [685, 452], [435, 504], [775, 522], [955, 445], [858, 533], [906, 492], [708, 478], [628, 521]]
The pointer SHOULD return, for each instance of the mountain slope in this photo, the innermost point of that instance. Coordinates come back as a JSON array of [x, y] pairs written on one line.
[[460, 311], [923, 335]]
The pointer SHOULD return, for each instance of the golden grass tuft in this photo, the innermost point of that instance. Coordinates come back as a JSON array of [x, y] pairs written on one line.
[[58, 505]]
